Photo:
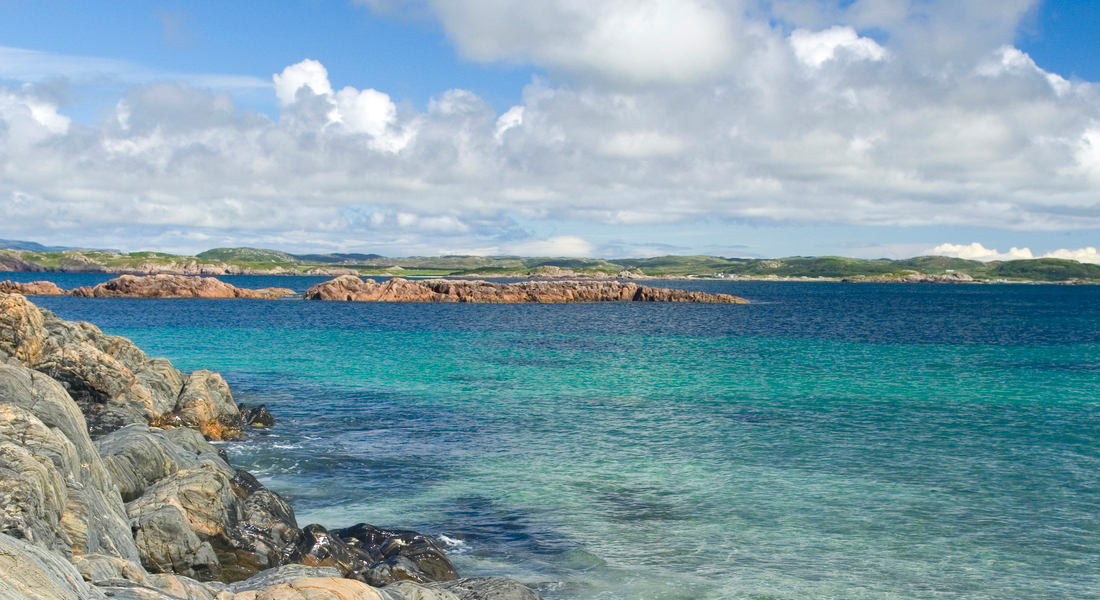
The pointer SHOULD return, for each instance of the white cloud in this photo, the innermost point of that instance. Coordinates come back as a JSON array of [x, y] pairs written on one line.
[[976, 251], [513, 117], [641, 144], [634, 41], [1010, 60], [566, 245], [1087, 153], [308, 73], [772, 129], [814, 48], [29, 119], [358, 111], [1085, 255]]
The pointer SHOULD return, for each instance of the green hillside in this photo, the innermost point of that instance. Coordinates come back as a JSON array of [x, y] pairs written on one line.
[[262, 260]]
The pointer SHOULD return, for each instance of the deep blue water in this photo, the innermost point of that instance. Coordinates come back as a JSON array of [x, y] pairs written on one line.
[[826, 441]]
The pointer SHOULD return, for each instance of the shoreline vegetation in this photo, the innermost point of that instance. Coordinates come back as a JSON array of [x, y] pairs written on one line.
[[111, 488], [253, 261]]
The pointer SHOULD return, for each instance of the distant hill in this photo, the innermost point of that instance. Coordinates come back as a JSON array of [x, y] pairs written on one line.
[[30, 256], [32, 246], [249, 255]]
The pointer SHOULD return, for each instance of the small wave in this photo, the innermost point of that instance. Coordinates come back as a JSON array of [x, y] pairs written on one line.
[[458, 546], [287, 446]]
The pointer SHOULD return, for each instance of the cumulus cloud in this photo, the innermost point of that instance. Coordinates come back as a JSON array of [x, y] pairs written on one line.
[[632, 41], [358, 111], [565, 245], [976, 251], [29, 119], [803, 121], [837, 42]]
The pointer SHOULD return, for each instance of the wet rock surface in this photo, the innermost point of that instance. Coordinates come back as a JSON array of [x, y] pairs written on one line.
[[354, 289], [174, 286]]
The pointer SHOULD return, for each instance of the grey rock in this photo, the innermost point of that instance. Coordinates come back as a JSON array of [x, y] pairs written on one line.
[[205, 404], [489, 588], [207, 523], [407, 590], [282, 574], [54, 489], [137, 456], [168, 544], [30, 572]]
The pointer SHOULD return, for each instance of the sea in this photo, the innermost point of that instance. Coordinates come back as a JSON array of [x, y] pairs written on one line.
[[827, 440]]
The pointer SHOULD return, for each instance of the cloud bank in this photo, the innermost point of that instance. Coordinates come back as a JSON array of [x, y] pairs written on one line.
[[976, 251], [875, 112]]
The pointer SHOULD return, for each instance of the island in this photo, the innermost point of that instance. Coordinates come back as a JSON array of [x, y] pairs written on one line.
[[352, 288]]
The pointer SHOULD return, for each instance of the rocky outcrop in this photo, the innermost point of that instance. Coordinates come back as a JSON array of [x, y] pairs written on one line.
[[550, 272], [112, 381], [32, 572], [55, 491], [145, 513], [372, 555], [351, 288], [206, 404], [200, 523], [12, 263], [174, 286], [33, 288], [331, 271], [913, 278], [257, 416]]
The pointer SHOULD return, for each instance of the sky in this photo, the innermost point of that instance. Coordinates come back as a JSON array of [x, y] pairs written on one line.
[[601, 128]]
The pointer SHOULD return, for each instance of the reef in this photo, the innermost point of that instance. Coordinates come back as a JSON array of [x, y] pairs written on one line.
[[352, 288]]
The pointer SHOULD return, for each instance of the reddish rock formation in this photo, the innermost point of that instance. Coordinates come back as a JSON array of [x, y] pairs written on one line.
[[351, 288], [34, 288], [174, 286]]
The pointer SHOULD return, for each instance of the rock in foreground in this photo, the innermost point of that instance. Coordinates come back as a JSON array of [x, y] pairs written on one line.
[[174, 286], [145, 513], [352, 288]]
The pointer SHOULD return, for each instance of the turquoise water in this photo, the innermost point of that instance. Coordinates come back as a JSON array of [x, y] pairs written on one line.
[[827, 441]]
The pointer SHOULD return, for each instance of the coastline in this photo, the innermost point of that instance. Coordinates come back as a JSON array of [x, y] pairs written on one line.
[[112, 488], [261, 262]]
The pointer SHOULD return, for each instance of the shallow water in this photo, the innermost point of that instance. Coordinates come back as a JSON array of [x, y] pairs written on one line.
[[826, 441]]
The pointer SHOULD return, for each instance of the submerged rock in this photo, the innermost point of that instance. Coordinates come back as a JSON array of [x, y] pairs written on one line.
[[174, 286], [490, 588], [352, 288], [258, 416]]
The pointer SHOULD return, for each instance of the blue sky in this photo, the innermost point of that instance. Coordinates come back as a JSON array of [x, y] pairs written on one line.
[[604, 128]]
